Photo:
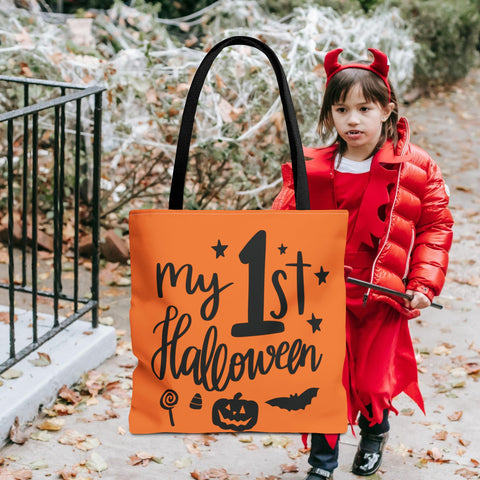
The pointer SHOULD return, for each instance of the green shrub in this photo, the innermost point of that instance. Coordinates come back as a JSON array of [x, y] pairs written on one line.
[[447, 33]]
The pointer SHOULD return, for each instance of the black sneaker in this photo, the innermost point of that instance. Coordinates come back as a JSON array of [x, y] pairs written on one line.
[[316, 473], [369, 454]]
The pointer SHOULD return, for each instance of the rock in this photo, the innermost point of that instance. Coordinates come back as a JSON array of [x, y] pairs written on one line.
[[85, 245], [44, 241], [113, 248]]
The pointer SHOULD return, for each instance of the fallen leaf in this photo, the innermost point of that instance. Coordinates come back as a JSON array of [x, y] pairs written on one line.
[[43, 360], [5, 316], [435, 454], [41, 436], [472, 368], [290, 468], [11, 374], [219, 473], [123, 347], [442, 350], [458, 372], [422, 463], [71, 437], [108, 321], [69, 395], [22, 474], [408, 412], [94, 382], [466, 473], [193, 449], [108, 415], [462, 188], [183, 462], [139, 460], [52, 425], [144, 458], [475, 462], [96, 463], [38, 465], [294, 454], [16, 434], [279, 441], [62, 410], [67, 474], [441, 435], [88, 443], [456, 416], [117, 390], [207, 439]]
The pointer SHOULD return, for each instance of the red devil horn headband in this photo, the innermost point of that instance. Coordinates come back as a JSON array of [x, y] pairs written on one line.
[[379, 66]]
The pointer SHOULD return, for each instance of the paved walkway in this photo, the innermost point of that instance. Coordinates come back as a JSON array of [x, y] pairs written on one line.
[[94, 442]]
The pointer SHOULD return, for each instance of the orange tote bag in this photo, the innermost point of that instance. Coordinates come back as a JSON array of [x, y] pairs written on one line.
[[238, 317]]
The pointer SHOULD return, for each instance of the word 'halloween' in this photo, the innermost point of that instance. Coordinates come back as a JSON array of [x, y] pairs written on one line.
[[212, 365]]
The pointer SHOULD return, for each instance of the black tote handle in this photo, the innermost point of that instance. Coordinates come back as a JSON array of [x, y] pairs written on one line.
[[185, 135]]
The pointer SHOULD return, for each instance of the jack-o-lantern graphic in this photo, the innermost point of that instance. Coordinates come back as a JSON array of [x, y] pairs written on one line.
[[235, 414]]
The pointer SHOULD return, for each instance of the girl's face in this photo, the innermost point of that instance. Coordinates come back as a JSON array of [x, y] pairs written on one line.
[[359, 123]]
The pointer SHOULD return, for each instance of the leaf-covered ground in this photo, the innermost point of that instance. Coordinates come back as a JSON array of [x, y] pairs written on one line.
[[85, 434]]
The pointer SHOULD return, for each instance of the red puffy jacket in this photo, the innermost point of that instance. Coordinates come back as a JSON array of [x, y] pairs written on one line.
[[413, 249]]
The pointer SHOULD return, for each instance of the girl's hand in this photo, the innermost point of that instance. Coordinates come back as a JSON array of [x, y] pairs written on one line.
[[419, 300]]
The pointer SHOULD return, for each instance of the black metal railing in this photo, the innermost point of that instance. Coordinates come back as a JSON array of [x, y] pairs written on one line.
[[71, 119]]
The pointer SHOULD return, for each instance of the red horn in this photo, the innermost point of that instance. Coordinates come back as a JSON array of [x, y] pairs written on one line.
[[330, 62], [380, 62]]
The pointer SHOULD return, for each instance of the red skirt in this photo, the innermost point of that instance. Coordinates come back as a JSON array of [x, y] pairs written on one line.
[[380, 361]]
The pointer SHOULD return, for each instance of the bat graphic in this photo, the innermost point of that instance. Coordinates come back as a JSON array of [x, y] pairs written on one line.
[[295, 401]]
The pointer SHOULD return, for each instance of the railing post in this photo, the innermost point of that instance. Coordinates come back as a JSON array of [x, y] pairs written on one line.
[[97, 137], [34, 225], [11, 258], [56, 217], [25, 188], [78, 122]]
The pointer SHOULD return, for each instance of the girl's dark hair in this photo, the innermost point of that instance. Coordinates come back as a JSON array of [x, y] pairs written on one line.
[[373, 89]]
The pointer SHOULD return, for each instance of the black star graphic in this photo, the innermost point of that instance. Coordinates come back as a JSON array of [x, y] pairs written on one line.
[[322, 275], [219, 249], [282, 249], [315, 323]]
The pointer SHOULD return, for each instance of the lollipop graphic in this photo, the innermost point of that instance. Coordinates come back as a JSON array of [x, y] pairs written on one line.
[[168, 401]]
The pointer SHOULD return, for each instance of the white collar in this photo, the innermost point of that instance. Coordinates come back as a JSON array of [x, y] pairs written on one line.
[[345, 165]]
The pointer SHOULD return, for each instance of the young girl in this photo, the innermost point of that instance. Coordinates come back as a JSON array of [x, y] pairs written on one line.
[[399, 235]]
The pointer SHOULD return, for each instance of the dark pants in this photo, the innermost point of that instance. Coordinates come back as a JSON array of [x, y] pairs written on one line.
[[322, 455]]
